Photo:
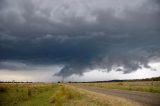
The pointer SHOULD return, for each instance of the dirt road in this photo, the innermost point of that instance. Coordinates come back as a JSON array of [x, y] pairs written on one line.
[[149, 99]]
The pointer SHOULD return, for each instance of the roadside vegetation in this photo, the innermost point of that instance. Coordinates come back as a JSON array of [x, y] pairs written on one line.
[[67, 95], [143, 86]]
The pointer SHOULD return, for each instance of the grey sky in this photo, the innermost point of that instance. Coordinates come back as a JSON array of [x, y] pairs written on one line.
[[79, 35]]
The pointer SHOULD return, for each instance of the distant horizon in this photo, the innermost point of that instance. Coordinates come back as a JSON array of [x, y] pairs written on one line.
[[114, 80]]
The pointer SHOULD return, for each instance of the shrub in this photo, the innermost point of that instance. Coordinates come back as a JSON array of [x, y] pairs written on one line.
[[29, 92], [120, 83], [3, 88]]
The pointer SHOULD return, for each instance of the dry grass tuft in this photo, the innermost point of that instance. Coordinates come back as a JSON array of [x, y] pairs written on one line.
[[62, 94]]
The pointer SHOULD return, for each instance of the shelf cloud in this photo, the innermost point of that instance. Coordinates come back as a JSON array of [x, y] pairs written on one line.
[[79, 35]]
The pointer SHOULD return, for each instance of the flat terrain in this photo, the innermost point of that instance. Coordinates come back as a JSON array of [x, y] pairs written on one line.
[[63, 94], [143, 86], [39, 94], [145, 98]]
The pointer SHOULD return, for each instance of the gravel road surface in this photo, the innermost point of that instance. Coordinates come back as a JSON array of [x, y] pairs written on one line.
[[149, 99]]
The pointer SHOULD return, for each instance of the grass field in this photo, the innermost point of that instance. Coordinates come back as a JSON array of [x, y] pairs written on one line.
[[13, 94], [37, 94], [44, 95], [144, 86]]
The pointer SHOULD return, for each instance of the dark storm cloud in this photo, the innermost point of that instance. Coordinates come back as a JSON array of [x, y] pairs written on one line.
[[80, 34]]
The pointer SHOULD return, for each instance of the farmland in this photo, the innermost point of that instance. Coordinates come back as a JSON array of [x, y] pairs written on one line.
[[64, 94]]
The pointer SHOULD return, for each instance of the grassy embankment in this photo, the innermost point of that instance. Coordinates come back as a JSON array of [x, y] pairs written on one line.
[[54, 95], [144, 86]]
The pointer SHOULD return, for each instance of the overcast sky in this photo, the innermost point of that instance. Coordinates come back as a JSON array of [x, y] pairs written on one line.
[[80, 40]]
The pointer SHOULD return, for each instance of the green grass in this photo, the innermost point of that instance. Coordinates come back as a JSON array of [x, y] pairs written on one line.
[[144, 86], [12, 94], [39, 100], [45, 95]]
